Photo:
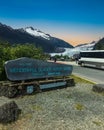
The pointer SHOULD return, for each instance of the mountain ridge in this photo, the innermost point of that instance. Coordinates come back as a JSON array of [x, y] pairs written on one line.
[[23, 36]]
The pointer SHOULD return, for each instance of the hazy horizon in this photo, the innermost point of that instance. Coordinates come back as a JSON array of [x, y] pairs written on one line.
[[75, 21]]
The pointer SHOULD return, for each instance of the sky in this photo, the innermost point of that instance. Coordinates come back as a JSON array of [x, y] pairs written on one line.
[[75, 21]]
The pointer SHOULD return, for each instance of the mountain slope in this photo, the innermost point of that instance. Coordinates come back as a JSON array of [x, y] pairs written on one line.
[[54, 41], [86, 46], [31, 35]]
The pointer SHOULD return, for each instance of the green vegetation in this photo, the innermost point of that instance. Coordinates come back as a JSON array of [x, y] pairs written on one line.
[[100, 45], [37, 108], [8, 52], [80, 80], [98, 123], [62, 57], [79, 106]]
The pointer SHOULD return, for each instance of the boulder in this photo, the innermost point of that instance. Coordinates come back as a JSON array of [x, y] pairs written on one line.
[[9, 112], [8, 91], [70, 82], [98, 88]]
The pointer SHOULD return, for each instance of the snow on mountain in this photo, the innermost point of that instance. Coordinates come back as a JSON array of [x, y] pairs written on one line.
[[87, 46], [36, 32]]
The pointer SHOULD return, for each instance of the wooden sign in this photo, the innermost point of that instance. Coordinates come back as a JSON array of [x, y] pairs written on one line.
[[26, 69]]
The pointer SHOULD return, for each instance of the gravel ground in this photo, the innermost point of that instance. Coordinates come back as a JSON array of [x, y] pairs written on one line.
[[72, 108]]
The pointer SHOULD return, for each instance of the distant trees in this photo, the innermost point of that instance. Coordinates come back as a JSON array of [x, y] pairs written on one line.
[[99, 45], [27, 50], [8, 52], [62, 57]]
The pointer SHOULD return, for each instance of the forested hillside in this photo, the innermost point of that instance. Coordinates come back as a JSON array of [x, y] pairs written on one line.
[[99, 45]]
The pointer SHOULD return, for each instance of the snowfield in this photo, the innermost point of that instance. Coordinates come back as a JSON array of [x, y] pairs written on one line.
[[37, 33]]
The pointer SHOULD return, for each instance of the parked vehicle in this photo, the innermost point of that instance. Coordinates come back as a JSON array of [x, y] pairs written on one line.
[[94, 58]]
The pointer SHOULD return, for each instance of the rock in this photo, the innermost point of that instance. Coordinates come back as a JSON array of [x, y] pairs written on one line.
[[98, 88], [8, 91], [9, 112], [70, 82]]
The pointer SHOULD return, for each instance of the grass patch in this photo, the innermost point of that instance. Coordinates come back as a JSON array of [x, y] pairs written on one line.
[[2, 127], [80, 80], [98, 123], [102, 93], [99, 94], [37, 108], [79, 106]]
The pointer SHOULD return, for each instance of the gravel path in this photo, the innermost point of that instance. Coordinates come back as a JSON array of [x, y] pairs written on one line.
[[72, 108]]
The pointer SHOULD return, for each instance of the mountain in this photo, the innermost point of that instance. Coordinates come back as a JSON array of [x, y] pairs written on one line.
[[95, 45], [34, 36], [99, 45], [86, 46]]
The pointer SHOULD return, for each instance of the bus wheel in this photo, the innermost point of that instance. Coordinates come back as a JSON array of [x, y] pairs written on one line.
[[82, 64]]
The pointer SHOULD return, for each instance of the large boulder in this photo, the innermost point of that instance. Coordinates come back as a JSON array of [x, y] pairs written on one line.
[[98, 88], [9, 112]]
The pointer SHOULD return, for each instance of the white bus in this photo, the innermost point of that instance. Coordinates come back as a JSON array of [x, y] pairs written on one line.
[[93, 58]]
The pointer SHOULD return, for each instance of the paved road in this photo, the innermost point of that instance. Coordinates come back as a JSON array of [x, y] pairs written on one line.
[[94, 75], [91, 74]]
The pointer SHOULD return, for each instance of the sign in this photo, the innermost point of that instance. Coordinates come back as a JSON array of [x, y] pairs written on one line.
[[30, 89], [26, 68], [52, 85]]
